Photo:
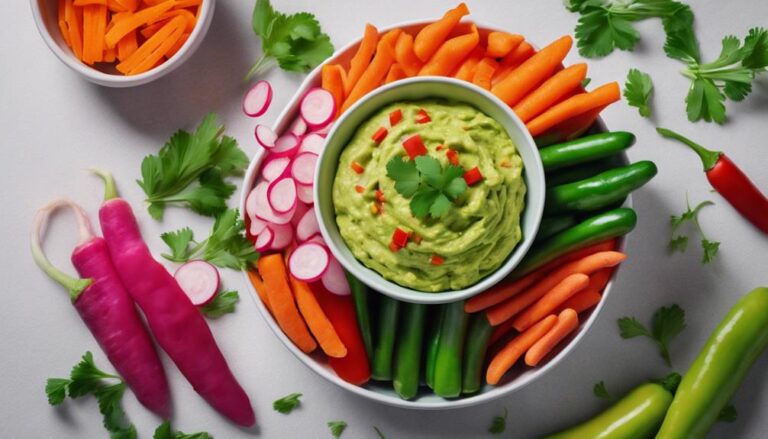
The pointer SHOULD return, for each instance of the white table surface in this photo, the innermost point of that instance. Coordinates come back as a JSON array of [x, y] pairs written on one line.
[[54, 125]]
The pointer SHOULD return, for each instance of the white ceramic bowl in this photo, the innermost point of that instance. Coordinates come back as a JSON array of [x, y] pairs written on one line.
[[414, 89], [45, 14]]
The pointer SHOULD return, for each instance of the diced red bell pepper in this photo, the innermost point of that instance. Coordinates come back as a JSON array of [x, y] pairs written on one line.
[[399, 238], [395, 117], [379, 135], [422, 116], [414, 146], [359, 189], [453, 156], [437, 260], [357, 167], [440, 147], [379, 196], [473, 176]]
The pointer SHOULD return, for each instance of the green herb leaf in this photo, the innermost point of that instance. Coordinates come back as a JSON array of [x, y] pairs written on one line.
[[667, 323], [727, 414], [431, 187], [178, 241], [85, 377], [164, 431], [680, 242], [599, 32], [405, 174], [710, 250], [379, 433], [637, 91], [498, 424], [585, 82], [670, 382], [337, 428], [287, 403], [629, 327], [124, 433], [109, 405], [601, 391], [56, 390], [223, 303], [422, 202]]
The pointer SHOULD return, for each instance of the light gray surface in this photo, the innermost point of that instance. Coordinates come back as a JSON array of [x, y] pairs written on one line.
[[54, 125]]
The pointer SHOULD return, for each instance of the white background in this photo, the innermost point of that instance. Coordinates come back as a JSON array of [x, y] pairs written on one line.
[[54, 125]]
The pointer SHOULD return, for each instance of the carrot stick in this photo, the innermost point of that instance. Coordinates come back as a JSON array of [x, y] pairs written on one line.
[[466, 70], [136, 20], [272, 271], [500, 331], [109, 55], [513, 61], [599, 279], [183, 4], [152, 51], [432, 36], [261, 289], [500, 44], [451, 53], [604, 246], [332, 79], [190, 17], [62, 21], [317, 321], [567, 322], [82, 3], [502, 291], [508, 356], [551, 301], [391, 37], [149, 30], [404, 55], [94, 25], [484, 72], [532, 72], [362, 58], [570, 129], [373, 75], [395, 73], [575, 106], [177, 46], [74, 19], [587, 265], [581, 301], [550, 92], [122, 5]]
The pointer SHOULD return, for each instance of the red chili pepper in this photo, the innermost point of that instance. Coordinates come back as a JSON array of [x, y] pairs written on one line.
[[453, 156], [422, 116], [399, 238], [395, 117], [473, 176], [379, 135], [357, 167], [414, 146], [359, 189], [437, 260], [729, 181]]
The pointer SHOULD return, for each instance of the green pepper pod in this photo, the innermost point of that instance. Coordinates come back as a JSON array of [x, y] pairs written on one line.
[[601, 227], [360, 296], [408, 350], [585, 149], [474, 353], [636, 416], [381, 368], [450, 351], [433, 342], [580, 172], [602, 190], [719, 369], [552, 225]]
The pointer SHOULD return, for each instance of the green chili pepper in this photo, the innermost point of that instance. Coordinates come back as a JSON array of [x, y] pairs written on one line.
[[450, 351], [360, 296], [474, 353], [381, 369], [433, 342], [585, 149], [601, 227], [602, 190], [721, 366], [408, 351], [580, 172], [553, 225]]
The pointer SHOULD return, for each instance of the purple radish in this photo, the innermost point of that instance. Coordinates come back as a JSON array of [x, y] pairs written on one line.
[[257, 205], [334, 279], [257, 225], [265, 136], [283, 236], [309, 262], [106, 308], [275, 168], [317, 108], [199, 280], [177, 325], [307, 226], [304, 193], [257, 99], [298, 214], [264, 240], [286, 145], [298, 127], [312, 142], [281, 195], [303, 168]]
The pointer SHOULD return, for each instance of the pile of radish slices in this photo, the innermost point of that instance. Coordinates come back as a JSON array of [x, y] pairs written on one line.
[[280, 206]]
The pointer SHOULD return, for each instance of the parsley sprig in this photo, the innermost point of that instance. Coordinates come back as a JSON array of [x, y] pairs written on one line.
[[680, 242], [164, 431], [638, 90], [667, 323], [337, 428], [431, 188], [287, 403], [499, 423], [223, 303]]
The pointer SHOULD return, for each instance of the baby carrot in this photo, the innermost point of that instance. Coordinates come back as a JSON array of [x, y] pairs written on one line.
[[550, 92], [136, 20], [332, 79], [550, 301], [502, 291], [599, 279], [362, 58], [581, 301], [391, 37], [466, 70], [404, 55], [395, 73], [500, 331], [571, 128], [372, 76], [567, 322], [500, 44], [317, 321], [261, 289], [432, 36], [484, 72], [451, 53], [508, 356], [575, 106]]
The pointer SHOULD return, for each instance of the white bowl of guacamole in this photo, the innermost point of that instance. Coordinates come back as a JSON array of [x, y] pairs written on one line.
[[468, 193]]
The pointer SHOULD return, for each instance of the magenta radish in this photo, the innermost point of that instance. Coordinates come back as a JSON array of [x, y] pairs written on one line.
[[312, 142], [264, 240], [106, 308], [283, 236], [256, 101], [308, 262], [334, 279], [304, 193], [281, 195], [265, 136], [298, 214], [303, 168], [324, 130], [257, 225], [317, 108], [318, 238], [177, 325], [298, 127], [199, 280], [274, 168], [307, 226], [286, 145], [257, 205]]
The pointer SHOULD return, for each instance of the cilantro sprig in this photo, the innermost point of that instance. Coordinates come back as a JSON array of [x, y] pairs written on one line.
[[680, 242], [223, 303], [296, 42], [337, 428], [499, 423], [638, 90], [601, 391], [287, 403], [431, 188], [667, 323], [164, 431]]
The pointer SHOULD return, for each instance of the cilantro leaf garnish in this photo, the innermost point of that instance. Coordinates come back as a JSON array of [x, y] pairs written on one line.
[[164, 431], [223, 303], [680, 242], [431, 188], [337, 428], [666, 324], [601, 391], [287, 403], [670, 382], [637, 91], [498, 424]]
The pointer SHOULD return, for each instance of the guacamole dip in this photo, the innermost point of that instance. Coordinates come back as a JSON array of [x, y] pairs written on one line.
[[476, 234]]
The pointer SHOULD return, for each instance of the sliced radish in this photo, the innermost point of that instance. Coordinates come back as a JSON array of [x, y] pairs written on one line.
[[318, 238], [317, 107], [324, 130], [309, 262], [264, 240], [265, 136], [303, 168], [307, 226], [274, 168], [305, 194], [257, 226], [334, 279], [281, 195], [286, 145], [312, 142], [257, 99], [298, 214], [298, 127], [199, 280], [257, 206], [283, 235]]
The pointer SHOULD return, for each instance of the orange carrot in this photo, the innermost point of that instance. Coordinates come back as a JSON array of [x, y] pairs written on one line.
[[126, 46], [466, 70], [575, 106], [391, 37], [604, 246], [500, 331], [183, 4], [500, 44], [502, 291], [154, 49], [395, 73], [570, 129], [190, 17], [94, 26], [109, 55], [484, 72], [508, 356], [73, 17], [567, 322], [149, 30], [261, 289], [599, 279], [176, 47], [272, 271], [332, 79], [62, 22], [550, 92], [136, 20], [532, 72], [432, 36], [362, 58], [551, 300], [451, 54], [90, 2], [372, 76], [581, 301], [122, 5], [404, 55], [317, 321], [513, 61]]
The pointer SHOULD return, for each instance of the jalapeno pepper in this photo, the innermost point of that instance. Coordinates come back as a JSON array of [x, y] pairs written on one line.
[[582, 171], [585, 149], [384, 345], [552, 225], [721, 366], [360, 295], [433, 342], [408, 351], [450, 351], [478, 335]]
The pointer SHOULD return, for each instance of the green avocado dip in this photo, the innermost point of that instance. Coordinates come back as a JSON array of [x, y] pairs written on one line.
[[478, 230]]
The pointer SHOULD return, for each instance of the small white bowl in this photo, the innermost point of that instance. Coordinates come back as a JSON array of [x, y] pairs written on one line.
[[414, 89], [46, 18]]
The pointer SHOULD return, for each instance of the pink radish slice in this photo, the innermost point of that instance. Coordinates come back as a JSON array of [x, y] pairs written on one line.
[[303, 168], [275, 168], [318, 238], [309, 262], [281, 195], [317, 107], [283, 235], [286, 145], [265, 136], [257, 99], [257, 226], [307, 226], [257, 205], [264, 240], [199, 280], [298, 214], [334, 280], [298, 127], [312, 142], [324, 130], [305, 194]]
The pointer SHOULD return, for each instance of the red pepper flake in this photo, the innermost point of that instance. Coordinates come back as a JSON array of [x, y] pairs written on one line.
[[357, 167], [379, 135], [379, 196], [440, 147], [437, 260], [453, 156], [399, 238], [422, 116], [473, 176], [359, 189], [395, 117], [414, 146], [416, 238]]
